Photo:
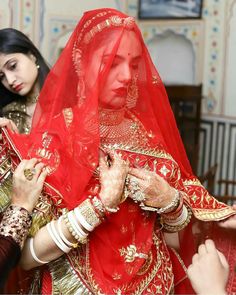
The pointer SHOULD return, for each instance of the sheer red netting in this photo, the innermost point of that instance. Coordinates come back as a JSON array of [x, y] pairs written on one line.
[[72, 84], [65, 128]]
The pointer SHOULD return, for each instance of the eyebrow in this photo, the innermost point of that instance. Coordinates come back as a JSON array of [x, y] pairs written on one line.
[[120, 57], [8, 61]]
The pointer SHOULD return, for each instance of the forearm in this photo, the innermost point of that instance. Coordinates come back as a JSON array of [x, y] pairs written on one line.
[[44, 247], [60, 236]]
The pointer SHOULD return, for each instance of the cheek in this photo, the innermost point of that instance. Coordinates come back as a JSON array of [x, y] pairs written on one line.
[[5, 84], [30, 72]]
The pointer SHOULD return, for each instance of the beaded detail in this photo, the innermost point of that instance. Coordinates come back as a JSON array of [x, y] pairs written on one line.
[[15, 223]]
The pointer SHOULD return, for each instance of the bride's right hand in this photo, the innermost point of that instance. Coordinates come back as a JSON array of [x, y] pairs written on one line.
[[112, 179]]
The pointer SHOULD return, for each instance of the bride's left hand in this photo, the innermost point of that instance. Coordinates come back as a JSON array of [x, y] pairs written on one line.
[[158, 192]]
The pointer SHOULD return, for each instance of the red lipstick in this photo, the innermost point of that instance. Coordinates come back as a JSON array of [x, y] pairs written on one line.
[[18, 87]]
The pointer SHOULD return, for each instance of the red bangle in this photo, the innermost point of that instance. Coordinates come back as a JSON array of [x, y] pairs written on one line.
[[177, 212]]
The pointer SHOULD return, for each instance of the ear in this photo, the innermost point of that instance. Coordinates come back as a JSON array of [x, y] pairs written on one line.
[[32, 57]]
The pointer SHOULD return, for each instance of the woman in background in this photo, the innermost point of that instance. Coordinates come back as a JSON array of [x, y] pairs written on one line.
[[23, 71]]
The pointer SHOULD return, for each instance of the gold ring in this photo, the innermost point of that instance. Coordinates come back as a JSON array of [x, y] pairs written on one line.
[[29, 173]]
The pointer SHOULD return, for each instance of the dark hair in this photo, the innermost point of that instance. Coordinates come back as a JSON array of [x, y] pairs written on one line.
[[14, 41]]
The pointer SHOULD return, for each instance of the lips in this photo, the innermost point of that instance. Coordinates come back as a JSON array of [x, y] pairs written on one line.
[[122, 91], [18, 87]]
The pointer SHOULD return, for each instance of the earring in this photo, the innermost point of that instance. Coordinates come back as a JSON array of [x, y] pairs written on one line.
[[81, 91], [37, 66], [132, 94]]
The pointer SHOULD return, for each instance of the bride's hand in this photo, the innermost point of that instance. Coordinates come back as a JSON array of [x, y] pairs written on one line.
[[112, 179], [158, 193]]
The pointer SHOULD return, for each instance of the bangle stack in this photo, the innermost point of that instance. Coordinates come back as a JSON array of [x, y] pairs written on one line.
[[180, 222], [54, 234], [173, 215], [79, 222]]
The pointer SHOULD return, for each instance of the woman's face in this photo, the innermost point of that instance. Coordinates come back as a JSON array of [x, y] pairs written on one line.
[[18, 72], [125, 64]]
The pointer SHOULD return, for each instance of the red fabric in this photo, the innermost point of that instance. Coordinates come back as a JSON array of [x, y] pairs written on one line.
[[65, 130], [46, 283], [77, 147]]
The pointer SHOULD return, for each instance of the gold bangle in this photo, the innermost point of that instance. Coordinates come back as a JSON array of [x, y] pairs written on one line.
[[86, 209]]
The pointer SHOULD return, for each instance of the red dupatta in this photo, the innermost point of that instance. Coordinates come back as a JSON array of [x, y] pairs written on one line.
[[72, 143]]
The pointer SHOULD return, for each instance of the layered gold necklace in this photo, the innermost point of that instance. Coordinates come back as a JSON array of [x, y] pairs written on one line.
[[120, 127]]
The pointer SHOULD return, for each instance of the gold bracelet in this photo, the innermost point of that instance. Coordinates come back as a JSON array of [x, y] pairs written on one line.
[[87, 211], [170, 207]]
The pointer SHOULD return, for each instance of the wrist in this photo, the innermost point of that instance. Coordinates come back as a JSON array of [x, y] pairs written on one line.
[[102, 209], [25, 206], [105, 197]]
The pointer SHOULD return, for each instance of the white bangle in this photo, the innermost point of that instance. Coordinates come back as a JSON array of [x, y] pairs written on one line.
[[82, 220], [56, 238], [62, 236], [33, 253], [75, 225]]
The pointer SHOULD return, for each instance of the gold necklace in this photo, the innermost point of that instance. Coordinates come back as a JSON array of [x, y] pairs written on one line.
[[116, 128]]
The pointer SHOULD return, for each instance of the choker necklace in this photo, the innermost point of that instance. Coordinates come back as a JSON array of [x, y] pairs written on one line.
[[111, 117]]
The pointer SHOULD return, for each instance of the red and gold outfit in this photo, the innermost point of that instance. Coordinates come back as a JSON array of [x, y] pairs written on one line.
[[127, 252]]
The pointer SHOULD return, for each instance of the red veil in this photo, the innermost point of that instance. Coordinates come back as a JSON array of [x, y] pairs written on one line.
[[65, 130], [72, 141]]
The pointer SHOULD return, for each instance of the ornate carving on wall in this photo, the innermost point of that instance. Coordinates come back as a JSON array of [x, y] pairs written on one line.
[[58, 27], [229, 92], [213, 13], [6, 13], [28, 17], [192, 31]]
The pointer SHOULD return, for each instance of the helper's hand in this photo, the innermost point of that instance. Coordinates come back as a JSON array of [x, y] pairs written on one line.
[[28, 180], [209, 270]]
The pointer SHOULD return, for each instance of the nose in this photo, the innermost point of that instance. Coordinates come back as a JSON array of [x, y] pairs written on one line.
[[125, 74], [10, 78]]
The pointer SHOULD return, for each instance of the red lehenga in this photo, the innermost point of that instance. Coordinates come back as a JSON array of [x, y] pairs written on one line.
[[127, 253]]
